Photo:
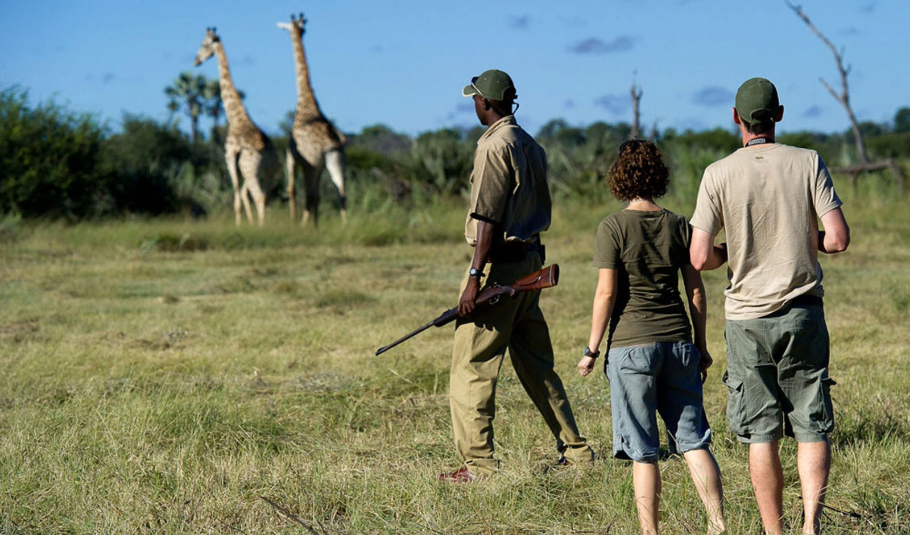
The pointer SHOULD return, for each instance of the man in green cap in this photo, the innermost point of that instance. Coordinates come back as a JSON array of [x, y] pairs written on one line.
[[510, 207], [769, 198]]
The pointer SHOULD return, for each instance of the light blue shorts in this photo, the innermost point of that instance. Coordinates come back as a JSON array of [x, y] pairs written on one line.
[[663, 378]]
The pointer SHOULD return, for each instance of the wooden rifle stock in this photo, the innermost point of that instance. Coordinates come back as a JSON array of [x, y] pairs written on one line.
[[488, 297]]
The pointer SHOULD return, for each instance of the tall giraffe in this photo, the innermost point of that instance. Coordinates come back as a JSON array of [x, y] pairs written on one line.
[[249, 153], [314, 142]]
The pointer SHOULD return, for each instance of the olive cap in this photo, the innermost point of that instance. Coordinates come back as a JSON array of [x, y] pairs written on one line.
[[756, 94], [492, 84]]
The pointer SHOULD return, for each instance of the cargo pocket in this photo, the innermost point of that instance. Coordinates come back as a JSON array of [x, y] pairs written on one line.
[[736, 410], [823, 420]]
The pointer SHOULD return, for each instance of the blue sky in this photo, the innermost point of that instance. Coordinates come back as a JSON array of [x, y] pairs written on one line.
[[403, 63]]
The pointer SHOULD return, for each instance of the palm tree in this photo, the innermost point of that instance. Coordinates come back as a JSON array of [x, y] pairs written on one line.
[[214, 107], [188, 92]]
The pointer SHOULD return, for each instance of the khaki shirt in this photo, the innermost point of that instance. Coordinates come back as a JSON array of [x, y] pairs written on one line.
[[768, 198], [509, 184]]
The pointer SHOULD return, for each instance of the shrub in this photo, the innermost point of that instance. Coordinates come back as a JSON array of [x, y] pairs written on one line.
[[48, 159], [891, 145], [143, 161], [442, 161]]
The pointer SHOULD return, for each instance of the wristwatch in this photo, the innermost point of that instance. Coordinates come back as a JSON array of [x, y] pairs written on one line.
[[592, 354], [474, 272]]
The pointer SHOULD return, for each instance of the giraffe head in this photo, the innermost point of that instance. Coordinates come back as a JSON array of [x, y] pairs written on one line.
[[207, 48], [296, 25]]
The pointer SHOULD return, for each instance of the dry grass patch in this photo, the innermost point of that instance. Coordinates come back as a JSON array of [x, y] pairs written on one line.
[[151, 389]]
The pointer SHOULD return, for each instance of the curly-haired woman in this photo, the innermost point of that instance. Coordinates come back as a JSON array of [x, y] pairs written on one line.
[[652, 363]]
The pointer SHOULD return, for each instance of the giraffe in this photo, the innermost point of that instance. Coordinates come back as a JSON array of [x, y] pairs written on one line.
[[314, 141], [249, 153]]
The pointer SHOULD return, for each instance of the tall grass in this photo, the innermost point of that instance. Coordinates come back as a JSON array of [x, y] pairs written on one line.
[[180, 376]]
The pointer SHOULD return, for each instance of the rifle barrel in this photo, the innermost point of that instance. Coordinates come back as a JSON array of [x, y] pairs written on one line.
[[415, 332]]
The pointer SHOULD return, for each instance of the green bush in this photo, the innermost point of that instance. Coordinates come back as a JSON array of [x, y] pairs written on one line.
[[687, 165], [579, 158], [145, 159], [902, 120], [890, 145], [717, 140], [154, 169], [49, 162], [442, 161]]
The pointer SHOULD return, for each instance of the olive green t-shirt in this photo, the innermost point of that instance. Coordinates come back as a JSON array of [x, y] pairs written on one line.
[[647, 249]]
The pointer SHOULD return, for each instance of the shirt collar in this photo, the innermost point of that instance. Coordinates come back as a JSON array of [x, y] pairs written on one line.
[[507, 120]]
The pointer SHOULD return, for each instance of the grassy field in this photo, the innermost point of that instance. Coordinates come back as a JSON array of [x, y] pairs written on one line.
[[192, 377]]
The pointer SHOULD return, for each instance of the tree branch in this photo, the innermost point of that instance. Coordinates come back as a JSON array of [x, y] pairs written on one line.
[[636, 93], [844, 97], [831, 90], [289, 515]]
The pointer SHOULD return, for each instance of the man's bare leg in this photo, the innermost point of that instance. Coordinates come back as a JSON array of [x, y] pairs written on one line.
[[646, 482], [768, 485], [706, 476], [813, 461]]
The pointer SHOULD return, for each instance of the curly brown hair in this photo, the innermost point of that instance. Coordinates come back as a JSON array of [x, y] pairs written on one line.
[[638, 172]]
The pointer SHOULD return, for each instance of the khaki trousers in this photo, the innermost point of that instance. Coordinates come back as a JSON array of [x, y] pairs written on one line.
[[480, 345]]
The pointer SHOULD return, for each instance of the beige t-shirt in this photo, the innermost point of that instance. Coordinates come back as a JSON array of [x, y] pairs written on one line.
[[768, 198], [509, 184]]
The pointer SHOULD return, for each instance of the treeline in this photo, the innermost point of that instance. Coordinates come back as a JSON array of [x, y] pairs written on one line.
[[57, 163]]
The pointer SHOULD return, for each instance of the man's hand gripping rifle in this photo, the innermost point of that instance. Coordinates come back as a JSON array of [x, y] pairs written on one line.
[[488, 297]]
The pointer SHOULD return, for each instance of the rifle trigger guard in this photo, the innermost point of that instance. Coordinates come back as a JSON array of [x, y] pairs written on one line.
[[495, 299]]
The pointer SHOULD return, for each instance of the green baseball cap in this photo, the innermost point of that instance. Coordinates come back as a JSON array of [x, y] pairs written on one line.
[[756, 94], [492, 84]]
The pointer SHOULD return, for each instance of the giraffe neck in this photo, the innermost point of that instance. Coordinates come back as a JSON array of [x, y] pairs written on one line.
[[306, 101], [233, 104]]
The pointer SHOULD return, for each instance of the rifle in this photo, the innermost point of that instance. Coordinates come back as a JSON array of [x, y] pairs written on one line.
[[488, 297]]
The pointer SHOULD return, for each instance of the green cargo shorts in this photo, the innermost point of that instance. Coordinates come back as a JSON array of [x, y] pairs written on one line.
[[777, 376]]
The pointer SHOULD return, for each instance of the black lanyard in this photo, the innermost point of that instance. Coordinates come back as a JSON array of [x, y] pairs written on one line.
[[758, 141]]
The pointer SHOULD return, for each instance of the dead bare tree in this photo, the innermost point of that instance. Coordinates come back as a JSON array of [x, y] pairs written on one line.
[[844, 98], [636, 93]]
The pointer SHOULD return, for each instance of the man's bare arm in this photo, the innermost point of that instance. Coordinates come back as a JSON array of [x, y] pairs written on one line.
[[698, 309], [836, 236], [703, 254], [481, 254]]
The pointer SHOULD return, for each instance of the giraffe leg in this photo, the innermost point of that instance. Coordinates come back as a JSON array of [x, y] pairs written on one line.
[[259, 198], [230, 158], [335, 163], [311, 189], [292, 189], [250, 164], [244, 197]]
